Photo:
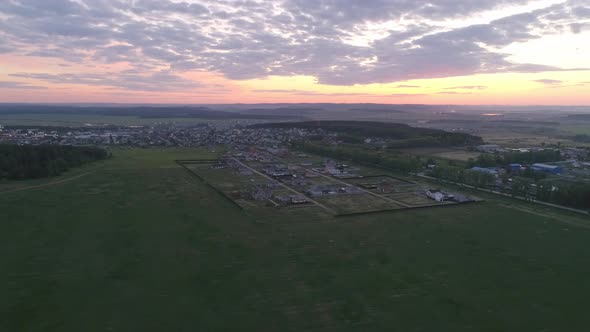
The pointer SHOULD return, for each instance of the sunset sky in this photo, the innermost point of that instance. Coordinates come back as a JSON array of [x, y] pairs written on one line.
[[249, 51]]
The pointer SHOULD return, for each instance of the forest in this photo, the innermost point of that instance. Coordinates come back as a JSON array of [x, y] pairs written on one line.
[[542, 156], [570, 194], [20, 162], [400, 162], [413, 136]]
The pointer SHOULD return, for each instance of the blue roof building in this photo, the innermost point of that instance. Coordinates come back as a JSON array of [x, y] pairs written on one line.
[[514, 167], [545, 168], [485, 170]]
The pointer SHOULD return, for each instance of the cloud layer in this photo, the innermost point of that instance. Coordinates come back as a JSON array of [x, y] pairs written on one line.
[[339, 42]]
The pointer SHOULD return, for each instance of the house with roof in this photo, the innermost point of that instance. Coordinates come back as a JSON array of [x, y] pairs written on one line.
[[438, 195], [491, 171]]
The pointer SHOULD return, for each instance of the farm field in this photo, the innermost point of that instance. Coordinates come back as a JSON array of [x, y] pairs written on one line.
[[139, 244]]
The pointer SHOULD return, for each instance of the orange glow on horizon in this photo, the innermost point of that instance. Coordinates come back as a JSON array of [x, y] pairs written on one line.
[[488, 89]]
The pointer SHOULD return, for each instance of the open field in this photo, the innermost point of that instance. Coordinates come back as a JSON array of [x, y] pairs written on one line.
[[519, 139], [582, 128], [445, 153], [141, 245], [351, 204], [415, 200]]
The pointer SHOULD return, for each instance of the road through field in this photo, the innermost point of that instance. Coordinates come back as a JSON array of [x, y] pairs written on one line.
[[45, 184]]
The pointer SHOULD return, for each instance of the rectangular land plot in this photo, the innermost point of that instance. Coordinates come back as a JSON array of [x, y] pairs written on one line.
[[231, 184], [417, 200], [384, 184], [247, 185], [351, 204], [227, 178]]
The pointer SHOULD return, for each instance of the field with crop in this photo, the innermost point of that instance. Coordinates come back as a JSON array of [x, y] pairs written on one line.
[[139, 244]]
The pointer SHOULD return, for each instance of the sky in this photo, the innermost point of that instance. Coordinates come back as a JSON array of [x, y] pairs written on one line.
[[502, 52]]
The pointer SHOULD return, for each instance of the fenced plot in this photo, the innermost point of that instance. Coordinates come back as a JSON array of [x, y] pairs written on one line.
[[353, 204], [248, 187], [417, 199], [384, 184]]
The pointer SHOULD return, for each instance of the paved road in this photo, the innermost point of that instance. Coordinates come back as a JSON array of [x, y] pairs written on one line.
[[286, 187]]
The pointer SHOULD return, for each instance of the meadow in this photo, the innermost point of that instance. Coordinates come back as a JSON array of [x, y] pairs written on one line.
[[138, 244]]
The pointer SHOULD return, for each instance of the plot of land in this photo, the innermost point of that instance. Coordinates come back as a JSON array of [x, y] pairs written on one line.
[[416, 199], [246, 184], [351, 204]]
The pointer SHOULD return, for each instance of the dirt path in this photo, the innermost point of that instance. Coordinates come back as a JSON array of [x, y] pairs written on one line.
[[286, 187], [45, 184], [364, 190]]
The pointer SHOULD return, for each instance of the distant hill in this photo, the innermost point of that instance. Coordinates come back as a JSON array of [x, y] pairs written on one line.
[[501, 122], [142, 111], [375, 110], [379, 129], [291, 111], [584, 117]]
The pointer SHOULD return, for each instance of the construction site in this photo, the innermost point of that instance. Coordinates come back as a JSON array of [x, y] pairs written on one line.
[[297, 181]]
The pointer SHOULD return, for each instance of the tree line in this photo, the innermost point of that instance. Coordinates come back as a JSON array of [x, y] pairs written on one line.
[[571, 194], [19, 162], [405, 163], [461, 175], [387, 130], [531, 157]]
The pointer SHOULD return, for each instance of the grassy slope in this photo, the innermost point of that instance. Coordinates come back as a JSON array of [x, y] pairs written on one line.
[[139, 245]]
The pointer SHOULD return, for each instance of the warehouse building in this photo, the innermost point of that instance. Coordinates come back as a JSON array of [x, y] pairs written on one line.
[[545, 168]]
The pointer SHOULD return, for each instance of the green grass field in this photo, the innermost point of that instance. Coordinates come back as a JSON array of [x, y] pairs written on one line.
[[138, 244]]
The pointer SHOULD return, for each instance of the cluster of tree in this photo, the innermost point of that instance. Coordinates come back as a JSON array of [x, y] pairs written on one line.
[[461, 175], [18, 162], [351, 139], [529, 173], [414, 143], [490, 160], [542, 156], [399, 162], [572, 194], [381, 130], [522, 187]]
